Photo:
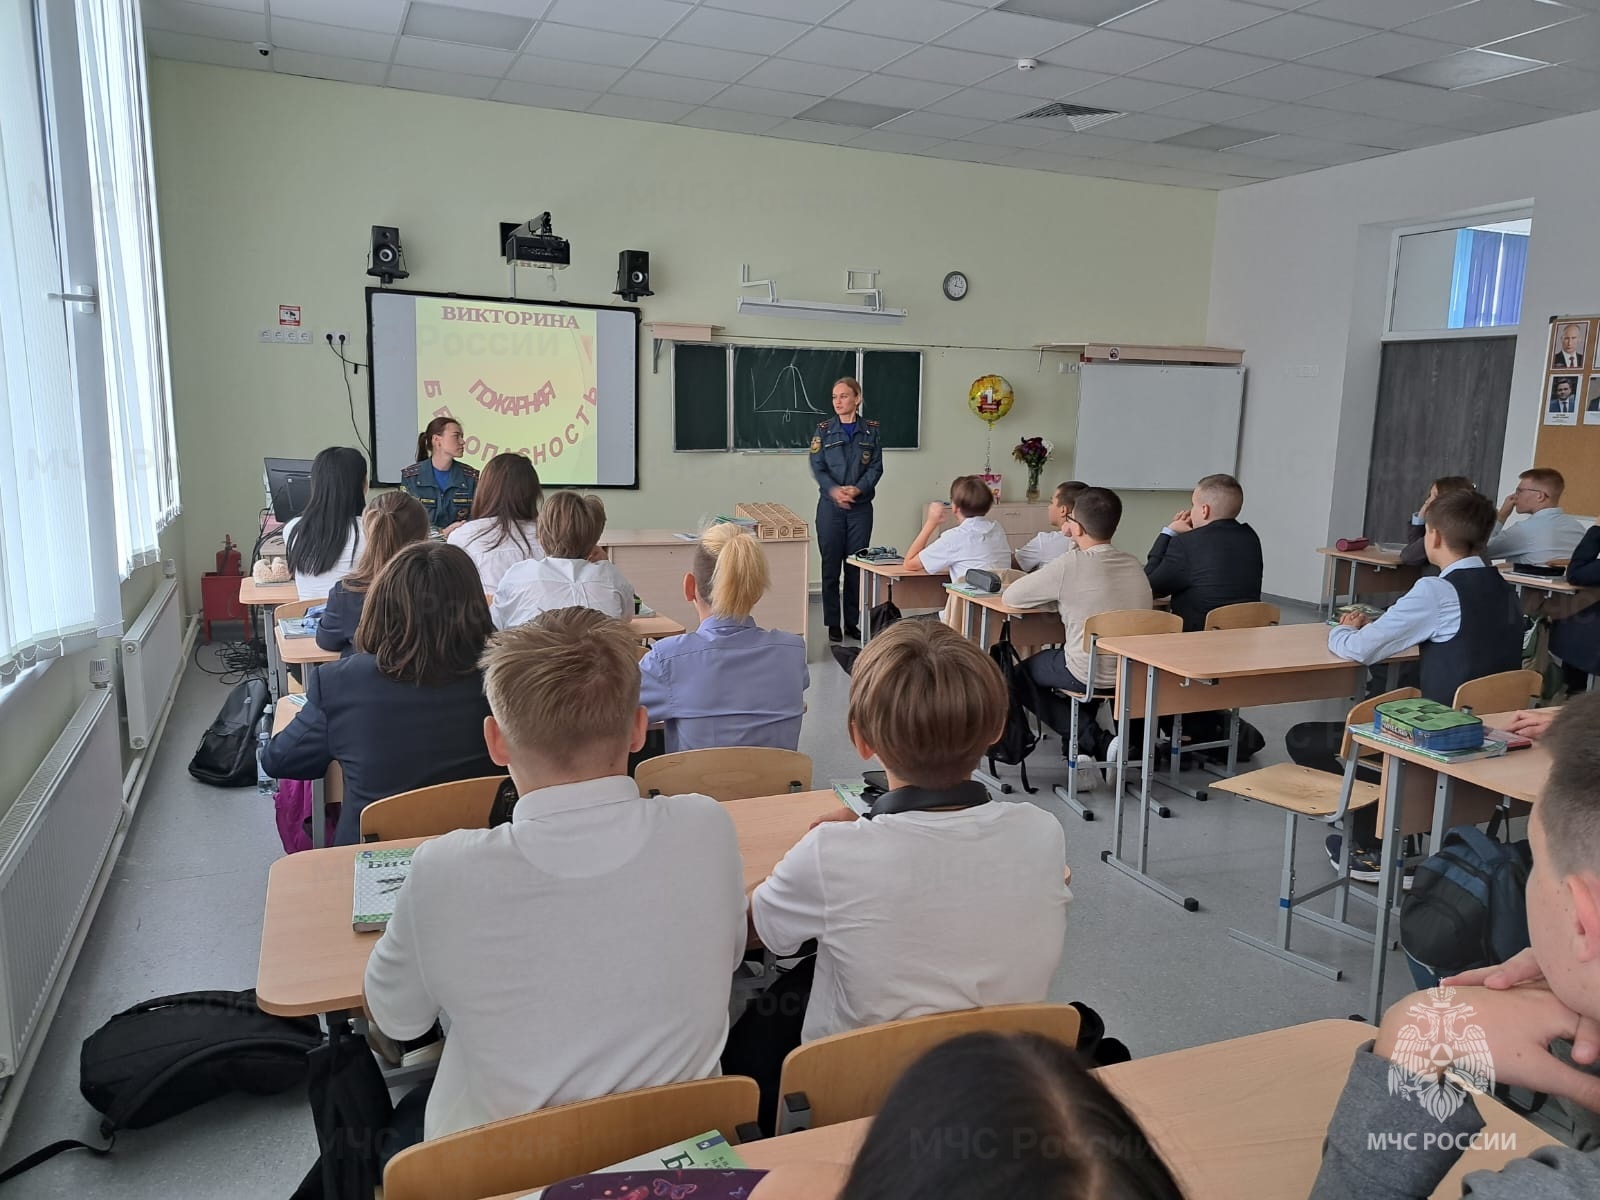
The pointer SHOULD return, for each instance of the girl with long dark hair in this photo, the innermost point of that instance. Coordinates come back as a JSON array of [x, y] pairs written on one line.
[[323, 541]]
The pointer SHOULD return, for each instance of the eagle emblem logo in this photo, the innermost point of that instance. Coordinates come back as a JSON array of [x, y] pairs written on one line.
[[1441, 1056]]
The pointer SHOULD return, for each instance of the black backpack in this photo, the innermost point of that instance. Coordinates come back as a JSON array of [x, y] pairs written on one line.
[[1021, 733], [227, 753], [1466, 908], [167, 1055]]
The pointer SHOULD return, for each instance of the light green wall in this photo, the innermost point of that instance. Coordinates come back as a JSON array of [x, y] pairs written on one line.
[[268, 186]]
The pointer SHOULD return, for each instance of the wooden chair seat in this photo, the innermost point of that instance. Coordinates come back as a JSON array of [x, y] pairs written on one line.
[[725, 773], [1297, 789]]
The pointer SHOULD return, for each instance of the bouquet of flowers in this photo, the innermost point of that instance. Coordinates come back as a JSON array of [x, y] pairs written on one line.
[[1033, 453]]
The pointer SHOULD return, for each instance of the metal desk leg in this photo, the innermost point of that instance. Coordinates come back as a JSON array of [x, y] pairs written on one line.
[[1124, 734], [319, 813], [1442, 786], [867, 587], [277, 681], [966, 616], [1387, 869], [983, 630], [1330, 580]]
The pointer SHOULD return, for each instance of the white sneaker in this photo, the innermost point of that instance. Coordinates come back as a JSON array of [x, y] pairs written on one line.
[[1113, 748]]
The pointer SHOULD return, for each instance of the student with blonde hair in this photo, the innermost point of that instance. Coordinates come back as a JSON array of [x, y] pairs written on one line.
[[728, 682], [503, 530], [518, 931], [390, 523], [573, 572]]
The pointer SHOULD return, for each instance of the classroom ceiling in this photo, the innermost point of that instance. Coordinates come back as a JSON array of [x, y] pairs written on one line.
[[1202, 93]]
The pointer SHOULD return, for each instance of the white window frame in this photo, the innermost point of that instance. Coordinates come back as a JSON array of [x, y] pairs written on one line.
[[1522, 211]]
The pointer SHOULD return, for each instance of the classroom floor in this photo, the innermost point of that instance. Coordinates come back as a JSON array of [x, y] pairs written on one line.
[[184, 908]]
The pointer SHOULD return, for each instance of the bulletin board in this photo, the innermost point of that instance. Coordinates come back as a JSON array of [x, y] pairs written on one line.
[[1569, 410]]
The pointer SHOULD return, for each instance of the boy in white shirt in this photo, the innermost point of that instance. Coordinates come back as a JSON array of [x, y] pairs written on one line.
[[574, 571], [586, 947], [975, 542], [1053, 543], [942, 898]]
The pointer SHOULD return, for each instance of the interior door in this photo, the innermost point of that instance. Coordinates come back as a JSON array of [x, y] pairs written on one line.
[[1442, 409]]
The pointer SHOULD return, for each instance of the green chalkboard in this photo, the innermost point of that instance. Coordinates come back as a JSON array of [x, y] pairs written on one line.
[[777, 395]]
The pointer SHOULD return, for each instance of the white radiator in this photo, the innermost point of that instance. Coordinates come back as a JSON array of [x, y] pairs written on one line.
[[53, 843], [152, 660]]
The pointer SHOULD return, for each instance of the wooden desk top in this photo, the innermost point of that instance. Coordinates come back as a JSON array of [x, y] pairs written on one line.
[[1236, 1120], [251, 592], [1520, 774], [992, 601], [283, 712], [654, 626], [305, 649], [1554, 584], [1225, 653], [313, 962], [1371, 556], [894, 570], [669, 537]]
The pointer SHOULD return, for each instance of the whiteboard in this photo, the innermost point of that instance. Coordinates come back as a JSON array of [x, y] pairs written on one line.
[[1143, 426]]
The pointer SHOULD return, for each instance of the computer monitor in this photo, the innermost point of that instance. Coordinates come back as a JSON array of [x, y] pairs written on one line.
[[288, 486]]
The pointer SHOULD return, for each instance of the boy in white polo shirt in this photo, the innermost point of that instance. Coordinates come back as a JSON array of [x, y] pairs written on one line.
[[941, 898], [1054, 542], [975, 542], [586, 947]]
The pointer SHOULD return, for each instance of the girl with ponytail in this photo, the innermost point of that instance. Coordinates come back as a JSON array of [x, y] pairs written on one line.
[[391, 523], [729, 682], [504, 527]]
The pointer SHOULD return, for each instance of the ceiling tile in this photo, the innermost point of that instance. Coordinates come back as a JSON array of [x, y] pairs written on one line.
[[1021, 135], [587, 45], [1087, 145], [814, 79], [940, 65], [534, 95], [324, 66], [380, 16], [1049, 83], [1207, 140], [1571, 40], [982, 104], [1111, 52], [1380, 14], [736, 31], [1379, 54], [837, 48], [1042, 160], [1011, 34], [1164, 155], [1249, 166], [634, 109], [532, 9], [558, 73], [1143, 127], [1113, 168], [1082, 12], [920, 20], [903, 93], [651, 86], [937, 125], [1290, 118], [859, 113], [1129, 95], [1465, 68], [449, 56], [971, 152], [1402, 101], [699, 62], [1484, 21], [730, 122], [1565, 88], [468, 27], [206, 20], [651, 18], [1210, 106], [445, 83], [1291, 81], [762, 101], [1371, 131], [798, 10], [812, 131], [1170, 177], [1479, 114], [1193, 21], [1292, 35], [327, 40], [1202, 67], [893, 143], [187, 47]]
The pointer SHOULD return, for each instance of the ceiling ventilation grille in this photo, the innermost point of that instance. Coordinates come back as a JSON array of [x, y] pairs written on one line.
[[1079, 116]]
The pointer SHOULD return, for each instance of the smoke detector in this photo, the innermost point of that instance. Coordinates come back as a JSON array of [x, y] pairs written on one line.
[[1027, 64]]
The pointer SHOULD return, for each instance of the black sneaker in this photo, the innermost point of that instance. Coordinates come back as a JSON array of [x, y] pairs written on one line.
[[835, 634], [853, 631]]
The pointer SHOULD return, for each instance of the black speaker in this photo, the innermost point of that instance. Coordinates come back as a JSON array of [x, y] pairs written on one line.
[[387, 260], [633, 275]]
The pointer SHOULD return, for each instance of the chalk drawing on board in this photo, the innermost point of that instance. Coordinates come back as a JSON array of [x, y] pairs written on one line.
[[787, 395]]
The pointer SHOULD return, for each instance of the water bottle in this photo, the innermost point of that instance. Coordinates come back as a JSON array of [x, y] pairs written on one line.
[[265, 784]]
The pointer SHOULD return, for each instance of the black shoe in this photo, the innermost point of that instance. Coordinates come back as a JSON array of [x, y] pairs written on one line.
[[835, 634], [853, 631]]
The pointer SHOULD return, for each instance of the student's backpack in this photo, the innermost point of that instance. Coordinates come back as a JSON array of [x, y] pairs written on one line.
[[227, 753], [167, 1055], [1466, 908], [1021, 733]]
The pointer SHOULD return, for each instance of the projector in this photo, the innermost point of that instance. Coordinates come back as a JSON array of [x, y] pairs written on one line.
[[534, 244]]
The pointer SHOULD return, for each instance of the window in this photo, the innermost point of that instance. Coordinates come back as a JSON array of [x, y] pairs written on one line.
[[1460, 277]]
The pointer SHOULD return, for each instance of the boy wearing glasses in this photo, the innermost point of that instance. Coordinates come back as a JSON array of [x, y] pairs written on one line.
[[1548, 533]]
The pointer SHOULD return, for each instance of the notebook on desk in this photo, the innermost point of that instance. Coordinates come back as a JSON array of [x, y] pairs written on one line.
[[705, 1167], [379, 876], [298, 627]]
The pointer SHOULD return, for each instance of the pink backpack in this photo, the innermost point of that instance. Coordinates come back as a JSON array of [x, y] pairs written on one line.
[[293, 805]]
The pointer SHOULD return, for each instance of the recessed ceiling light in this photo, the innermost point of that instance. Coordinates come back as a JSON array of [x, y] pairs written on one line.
[[1466, 68], [851, 112], [1217, 137], [466, 25]]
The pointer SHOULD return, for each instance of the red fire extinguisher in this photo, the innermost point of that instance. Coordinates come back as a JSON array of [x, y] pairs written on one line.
[[228, 556]]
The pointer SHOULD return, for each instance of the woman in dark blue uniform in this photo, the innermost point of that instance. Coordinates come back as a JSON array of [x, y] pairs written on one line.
[[444, 486], [847, 462]]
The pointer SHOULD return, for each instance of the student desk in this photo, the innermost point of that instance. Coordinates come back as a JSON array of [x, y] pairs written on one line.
[[1031, 628], [325, 791], [1236, 1120], [269, 596], [909, 589], [656, 560], [1550, 585], [312, 961], [1517, 775], [1205, 671], [1370, 570]]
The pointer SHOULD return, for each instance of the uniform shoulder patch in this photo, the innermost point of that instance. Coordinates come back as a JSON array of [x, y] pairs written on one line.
[[824, 424], [410, 472], [872, 423], [469, 472], [816, 443]]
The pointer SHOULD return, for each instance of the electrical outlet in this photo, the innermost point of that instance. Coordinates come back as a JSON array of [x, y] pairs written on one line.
[[265, 335], [303, 337], [336, 335]]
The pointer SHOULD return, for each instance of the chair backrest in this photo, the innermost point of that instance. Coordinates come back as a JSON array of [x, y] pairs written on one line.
[[296, 608], [847, 1075], [725, 773], [1130, 622], [1505, 692], [538, 1149], [1363, 713], [430, 811], [1255, 614]]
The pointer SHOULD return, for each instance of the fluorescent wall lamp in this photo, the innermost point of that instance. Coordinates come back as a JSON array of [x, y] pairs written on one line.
[[869, 312]]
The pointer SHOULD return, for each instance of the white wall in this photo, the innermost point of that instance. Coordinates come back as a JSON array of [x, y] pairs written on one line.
[[1296, 282], [1424, 272], [268, 186]]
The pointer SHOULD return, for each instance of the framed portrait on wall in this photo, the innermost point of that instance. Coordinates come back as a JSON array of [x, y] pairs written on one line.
[[1570, 342], [1561, 404]]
